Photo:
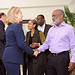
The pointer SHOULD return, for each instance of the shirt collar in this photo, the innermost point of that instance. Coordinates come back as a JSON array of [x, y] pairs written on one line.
[[62, 24], [42, 26]]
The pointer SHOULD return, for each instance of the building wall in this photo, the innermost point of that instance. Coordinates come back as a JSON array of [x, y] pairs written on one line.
[[31, 8]]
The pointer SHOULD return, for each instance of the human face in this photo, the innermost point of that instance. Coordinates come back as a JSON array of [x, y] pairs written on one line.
[[56, 17], [19, 16], [40, 21], [4, 19], [57, 20], [31, 25]]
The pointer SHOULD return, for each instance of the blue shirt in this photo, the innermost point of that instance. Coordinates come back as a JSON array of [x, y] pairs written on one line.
[[59, 39]]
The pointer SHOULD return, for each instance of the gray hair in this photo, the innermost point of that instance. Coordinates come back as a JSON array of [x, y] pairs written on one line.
[[62, 12]]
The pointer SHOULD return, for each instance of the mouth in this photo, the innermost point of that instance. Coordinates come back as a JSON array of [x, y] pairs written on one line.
[[53, 20]]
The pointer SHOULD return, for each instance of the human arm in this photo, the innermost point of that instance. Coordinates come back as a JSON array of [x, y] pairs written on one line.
[[42, 39], [20, 37], [72, 46], [46, 44]]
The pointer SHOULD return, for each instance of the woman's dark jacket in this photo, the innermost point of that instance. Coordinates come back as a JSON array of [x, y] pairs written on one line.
[[15, 45]]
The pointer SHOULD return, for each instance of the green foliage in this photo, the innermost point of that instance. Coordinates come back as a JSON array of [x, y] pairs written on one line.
[[69, 16]]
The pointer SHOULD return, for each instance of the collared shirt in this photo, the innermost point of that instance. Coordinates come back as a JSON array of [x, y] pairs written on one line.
[[60, 39], [41, 28]]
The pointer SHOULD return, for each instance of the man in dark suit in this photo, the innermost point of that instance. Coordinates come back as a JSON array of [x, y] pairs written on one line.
[[42, 25], [2, 41], [44, 28]]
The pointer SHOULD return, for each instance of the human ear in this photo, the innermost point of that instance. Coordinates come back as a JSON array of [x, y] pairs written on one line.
[[16, 15], [34, 25], [61, 16]]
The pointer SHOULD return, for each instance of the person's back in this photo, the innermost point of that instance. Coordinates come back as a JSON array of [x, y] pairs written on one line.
[[12, 45], [13, 54], [2, 41]]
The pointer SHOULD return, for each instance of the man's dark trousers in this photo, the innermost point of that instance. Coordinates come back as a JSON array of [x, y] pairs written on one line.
[[58, 64]]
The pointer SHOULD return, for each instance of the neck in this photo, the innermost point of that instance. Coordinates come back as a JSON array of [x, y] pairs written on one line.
[[32, 31], [60, 23], [42, 24]]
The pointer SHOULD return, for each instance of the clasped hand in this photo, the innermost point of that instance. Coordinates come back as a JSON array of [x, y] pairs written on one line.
[[33, 45], [36, 52]]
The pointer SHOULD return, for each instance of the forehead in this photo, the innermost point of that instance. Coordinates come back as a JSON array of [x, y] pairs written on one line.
[[30, 21], [56, 12], [39, 17]]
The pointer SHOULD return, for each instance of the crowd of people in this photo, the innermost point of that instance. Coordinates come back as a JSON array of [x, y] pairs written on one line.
[[43, 50]]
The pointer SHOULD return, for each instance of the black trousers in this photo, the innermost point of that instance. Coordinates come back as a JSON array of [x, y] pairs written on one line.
[[37, 65], [58, 64], [25, 63], [2, 68]]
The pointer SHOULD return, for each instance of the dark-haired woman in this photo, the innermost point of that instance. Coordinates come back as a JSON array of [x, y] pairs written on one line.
[[34, 38]]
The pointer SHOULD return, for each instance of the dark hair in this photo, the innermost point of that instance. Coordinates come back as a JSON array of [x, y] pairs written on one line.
[[42, 16], [1, 14], [34, 22]]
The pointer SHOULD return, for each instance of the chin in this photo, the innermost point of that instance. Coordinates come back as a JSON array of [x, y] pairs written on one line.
[[28, 28]]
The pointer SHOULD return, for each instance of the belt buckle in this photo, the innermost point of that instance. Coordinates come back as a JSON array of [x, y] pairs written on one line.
[[54, 54]]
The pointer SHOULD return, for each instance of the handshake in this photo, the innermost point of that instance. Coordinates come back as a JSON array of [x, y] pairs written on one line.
[[36, 52]]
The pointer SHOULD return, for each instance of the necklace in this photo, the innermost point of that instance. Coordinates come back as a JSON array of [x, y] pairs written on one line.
[[32, 34]]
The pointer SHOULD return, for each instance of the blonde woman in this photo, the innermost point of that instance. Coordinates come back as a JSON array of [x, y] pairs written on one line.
[[13, 54]]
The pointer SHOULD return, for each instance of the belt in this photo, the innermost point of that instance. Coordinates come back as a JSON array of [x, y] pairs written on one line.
[[55, 54]]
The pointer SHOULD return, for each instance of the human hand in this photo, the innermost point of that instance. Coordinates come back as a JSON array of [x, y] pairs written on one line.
[[35, 53], [33, 45], [37, 50], [71, 66]]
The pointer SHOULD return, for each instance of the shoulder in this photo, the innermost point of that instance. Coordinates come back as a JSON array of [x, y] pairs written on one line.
[[1, 22], [41, 33], [48, 25], [69, 27], [28, 33], [16, 25]]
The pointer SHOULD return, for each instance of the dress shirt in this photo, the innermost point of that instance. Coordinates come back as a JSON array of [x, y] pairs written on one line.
[[41, 28], [59, 39]]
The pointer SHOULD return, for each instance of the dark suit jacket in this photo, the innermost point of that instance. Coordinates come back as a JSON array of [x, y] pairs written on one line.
[[15, 44], [47, 27], [2, 38]]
